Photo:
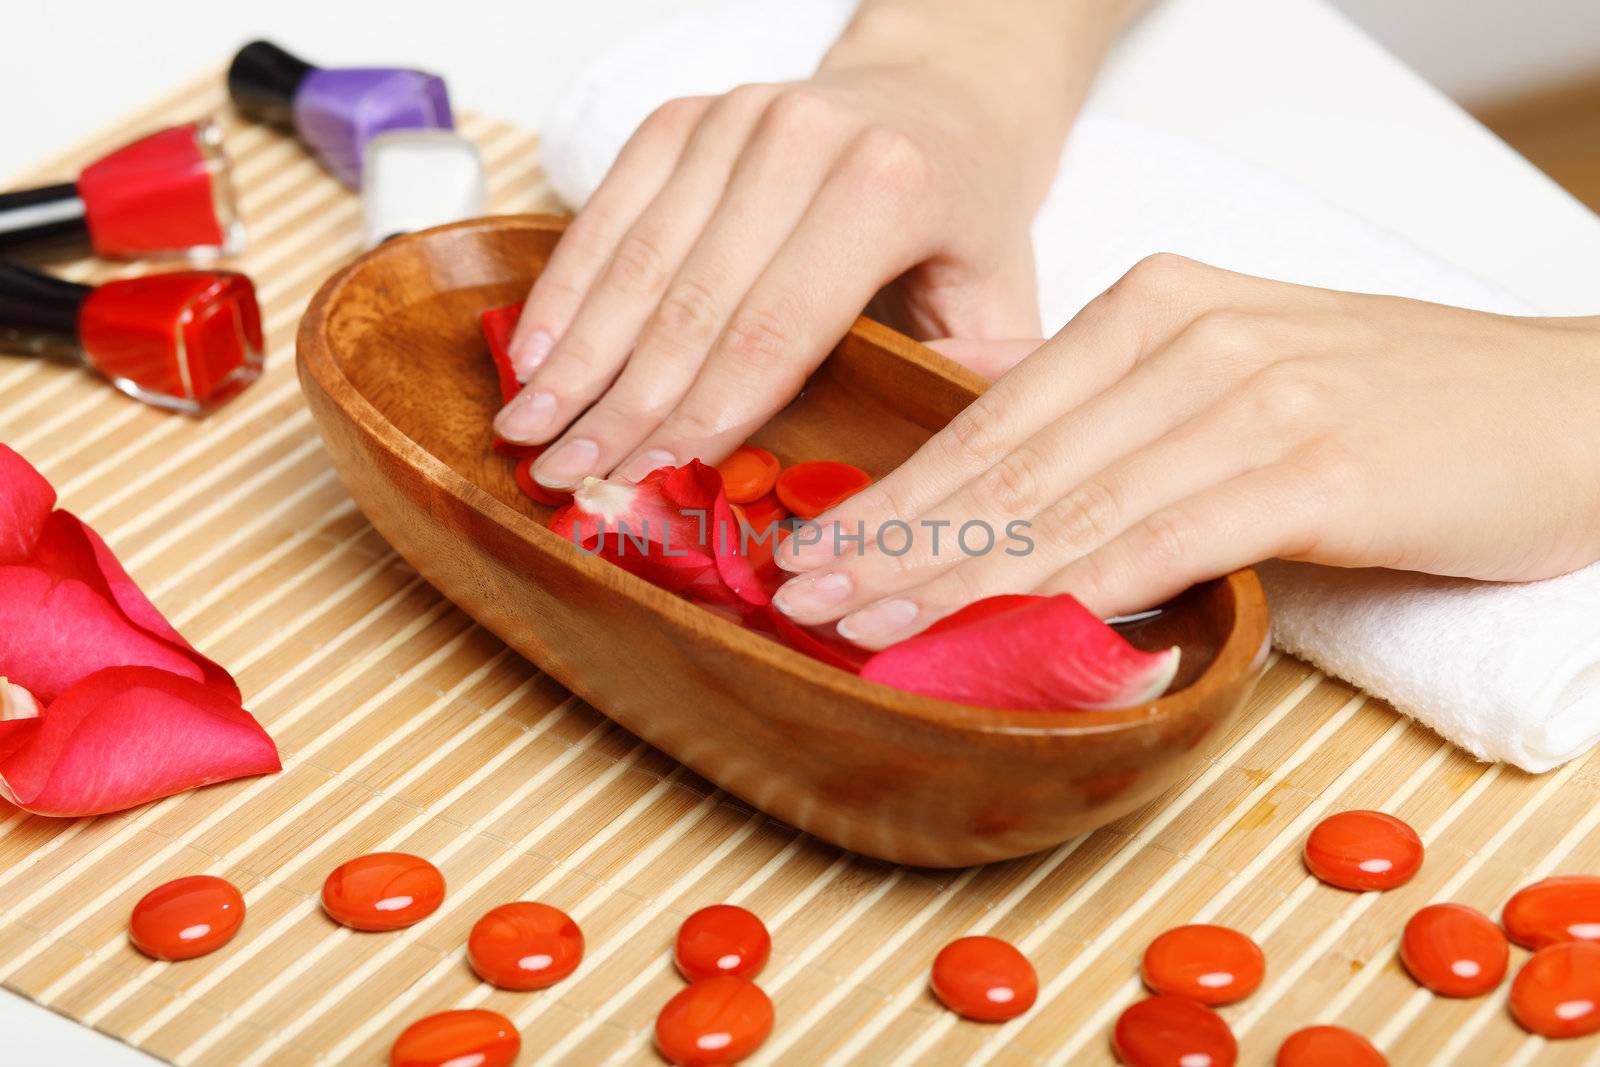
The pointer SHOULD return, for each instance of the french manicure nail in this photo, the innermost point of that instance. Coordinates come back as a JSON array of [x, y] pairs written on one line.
[[526, 357], [527, 417], [880, 622], [566, 465], [809, 545], [813, 595], [641, 465]]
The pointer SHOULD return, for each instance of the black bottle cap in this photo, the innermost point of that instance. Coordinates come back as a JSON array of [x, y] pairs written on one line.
[[53, 214], [35, 305], [263, 80]]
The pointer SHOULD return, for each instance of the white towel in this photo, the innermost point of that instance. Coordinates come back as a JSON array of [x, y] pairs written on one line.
[[1508, 672]]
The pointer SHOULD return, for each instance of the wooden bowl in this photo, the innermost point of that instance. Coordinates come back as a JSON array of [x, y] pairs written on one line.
[[403, 392]]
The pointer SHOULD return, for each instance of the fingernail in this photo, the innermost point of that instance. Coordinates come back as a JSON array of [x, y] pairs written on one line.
[[567, 464], [526, 418], [809, 545], [813, 595], [880, 622], [526, 357], [641, 465]]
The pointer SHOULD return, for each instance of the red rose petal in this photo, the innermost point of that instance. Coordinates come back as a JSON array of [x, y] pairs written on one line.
[[498, 324], [124, 736], [674, 528], [1032, 653], [54, 632], [26, 500]]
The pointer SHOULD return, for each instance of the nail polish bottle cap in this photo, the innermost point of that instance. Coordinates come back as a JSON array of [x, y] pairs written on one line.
[[263, 80]]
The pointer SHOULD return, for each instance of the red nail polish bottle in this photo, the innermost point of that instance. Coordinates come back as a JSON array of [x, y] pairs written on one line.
[[185, 341], [165, 194]]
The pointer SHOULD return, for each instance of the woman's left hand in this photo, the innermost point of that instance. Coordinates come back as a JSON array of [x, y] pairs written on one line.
[[1191, 421]]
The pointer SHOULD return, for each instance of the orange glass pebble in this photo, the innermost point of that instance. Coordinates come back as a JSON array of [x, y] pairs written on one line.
[[748, 474], [1328, 1046], [984, 978], [721, 939], [809, 489], [1167, 1031], [525, 945], [1211, 964], [1363, 850], [1564, 908], [186, 917], [531, 489], [468, 1038], [714, 1021], [382, 891], [1557, 992], [1454, 950]]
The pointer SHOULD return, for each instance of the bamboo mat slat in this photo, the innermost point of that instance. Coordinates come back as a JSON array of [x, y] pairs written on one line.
[[405, 725]]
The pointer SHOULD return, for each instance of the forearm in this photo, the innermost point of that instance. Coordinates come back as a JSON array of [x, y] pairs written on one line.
[[1027, 63]]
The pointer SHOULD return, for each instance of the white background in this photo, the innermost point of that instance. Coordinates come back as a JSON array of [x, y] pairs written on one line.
[[1286, 83]]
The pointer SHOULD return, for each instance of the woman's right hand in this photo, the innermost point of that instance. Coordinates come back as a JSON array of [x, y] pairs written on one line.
[[736, 238]]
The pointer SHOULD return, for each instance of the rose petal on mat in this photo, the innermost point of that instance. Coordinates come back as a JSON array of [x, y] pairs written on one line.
[[55, 631], [125, 736], [26, 500], [1028, 653], [68, 548]]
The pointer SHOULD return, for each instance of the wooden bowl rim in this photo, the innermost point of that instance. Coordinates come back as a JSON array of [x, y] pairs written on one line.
[[1235, 656]]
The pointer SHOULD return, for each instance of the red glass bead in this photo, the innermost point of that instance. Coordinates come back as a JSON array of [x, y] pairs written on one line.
[[1328, 1046], [1363, 850], [714, 1021], [1211, 964], [525, 945], [1167, 1031], [1557, 992], [721, 939], [468, 1038], [1564, 908], [1454, 950], [186, 917], [382, 891], [809, 489], [984, 978]]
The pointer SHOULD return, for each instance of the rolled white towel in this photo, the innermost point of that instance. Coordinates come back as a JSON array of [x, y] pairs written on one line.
[[1508, 672]]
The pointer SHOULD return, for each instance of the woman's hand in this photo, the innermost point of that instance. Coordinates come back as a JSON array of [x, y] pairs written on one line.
[[736, 239], [1191, 421]]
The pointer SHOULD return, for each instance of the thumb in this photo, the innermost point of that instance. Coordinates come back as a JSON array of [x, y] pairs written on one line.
[[988, 358]]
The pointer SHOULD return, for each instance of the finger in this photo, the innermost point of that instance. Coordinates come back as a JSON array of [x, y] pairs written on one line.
[[638, 173], [1204, 452], [990, 359], [1261, 515], [858, 232], [616, 306], [1153, 437], [1117, 329], [775, 179]]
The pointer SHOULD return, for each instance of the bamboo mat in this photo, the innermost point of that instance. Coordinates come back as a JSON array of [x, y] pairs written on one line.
[[403, 725]]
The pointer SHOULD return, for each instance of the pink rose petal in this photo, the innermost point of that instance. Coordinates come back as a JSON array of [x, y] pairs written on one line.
[[55, 631], [25, 503], [125, 736], [1028, 653]]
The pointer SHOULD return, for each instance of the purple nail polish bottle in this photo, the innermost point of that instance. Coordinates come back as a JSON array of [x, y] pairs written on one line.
[[335, 111]]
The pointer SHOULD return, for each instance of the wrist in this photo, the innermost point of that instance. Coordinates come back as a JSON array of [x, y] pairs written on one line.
[[1022, 68]]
